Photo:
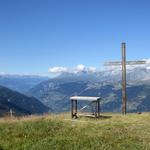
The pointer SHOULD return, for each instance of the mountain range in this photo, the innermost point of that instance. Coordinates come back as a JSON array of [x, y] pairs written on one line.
[[20, 83], [55, 92]]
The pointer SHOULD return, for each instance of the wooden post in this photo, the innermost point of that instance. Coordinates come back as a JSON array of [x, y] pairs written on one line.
[[124, 91], [98, 108], [72, 107], [11, 113], [76, 108]]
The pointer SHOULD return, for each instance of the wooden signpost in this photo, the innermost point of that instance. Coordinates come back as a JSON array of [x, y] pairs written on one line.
[[124, 63]]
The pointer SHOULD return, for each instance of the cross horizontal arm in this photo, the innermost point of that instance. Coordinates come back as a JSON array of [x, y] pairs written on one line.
[[117, 63]]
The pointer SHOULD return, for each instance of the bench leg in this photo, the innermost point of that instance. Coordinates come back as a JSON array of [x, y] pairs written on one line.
[[74, 109], [98, 108]]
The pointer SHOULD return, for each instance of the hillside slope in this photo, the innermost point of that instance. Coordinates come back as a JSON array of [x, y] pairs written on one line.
[[19, 103], [59, 133]]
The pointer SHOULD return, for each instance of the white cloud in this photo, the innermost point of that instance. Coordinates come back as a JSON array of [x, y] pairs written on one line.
[[82, 68], [148, 61], [2, 73], [57, 70], [92, 69], [79, 68], [148, 68]]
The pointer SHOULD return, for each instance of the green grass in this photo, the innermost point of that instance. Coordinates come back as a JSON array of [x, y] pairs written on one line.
[[131, 132]]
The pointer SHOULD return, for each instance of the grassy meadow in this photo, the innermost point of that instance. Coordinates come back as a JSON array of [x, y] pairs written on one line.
[[59, 132]]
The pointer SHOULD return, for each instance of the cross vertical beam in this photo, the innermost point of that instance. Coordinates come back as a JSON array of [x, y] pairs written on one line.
[[124, 90]]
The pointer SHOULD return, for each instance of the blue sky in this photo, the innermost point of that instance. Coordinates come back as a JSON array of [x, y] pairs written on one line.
[[38, 34]]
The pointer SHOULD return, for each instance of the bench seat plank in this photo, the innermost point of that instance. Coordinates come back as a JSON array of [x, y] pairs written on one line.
[[85, 98]]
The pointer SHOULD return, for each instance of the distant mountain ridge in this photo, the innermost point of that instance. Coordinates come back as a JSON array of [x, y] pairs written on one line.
[[20, 83], [112, 74], [55, 92]]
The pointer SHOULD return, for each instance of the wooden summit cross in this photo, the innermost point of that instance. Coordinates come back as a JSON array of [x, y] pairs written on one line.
[[124, 82]]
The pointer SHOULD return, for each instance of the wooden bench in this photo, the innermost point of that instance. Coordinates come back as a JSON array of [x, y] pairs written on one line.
[[74, 102]]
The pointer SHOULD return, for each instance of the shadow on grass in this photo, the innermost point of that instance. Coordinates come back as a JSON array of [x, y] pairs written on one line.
[[93, 117]]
